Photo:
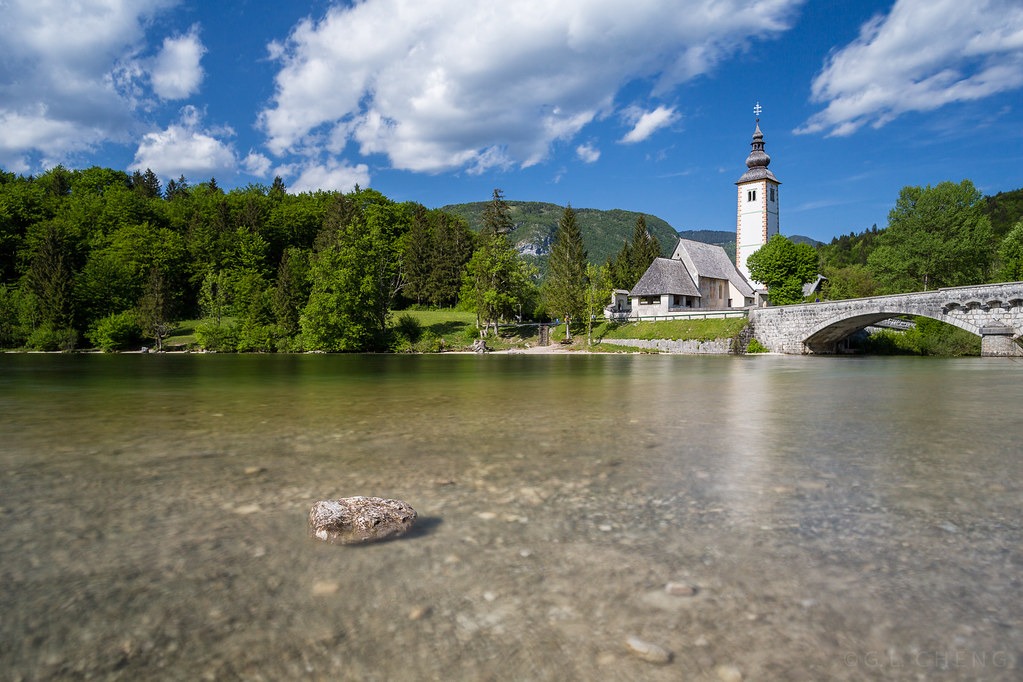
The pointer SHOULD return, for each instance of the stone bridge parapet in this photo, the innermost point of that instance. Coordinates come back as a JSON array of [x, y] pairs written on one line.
[[992, 311]]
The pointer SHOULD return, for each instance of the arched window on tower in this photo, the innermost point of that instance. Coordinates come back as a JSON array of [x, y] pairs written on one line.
[[751, 195]]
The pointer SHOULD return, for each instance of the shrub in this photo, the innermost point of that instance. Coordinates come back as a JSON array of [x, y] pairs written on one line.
[[258, 338], [408, 327], [119, 331], [49, 339], [14, 310], [755, 346], [217, 338]]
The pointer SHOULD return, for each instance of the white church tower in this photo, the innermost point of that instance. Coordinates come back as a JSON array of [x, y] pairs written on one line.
[[757, 218]]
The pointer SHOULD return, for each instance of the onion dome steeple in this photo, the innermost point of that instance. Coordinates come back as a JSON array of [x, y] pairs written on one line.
[[758, 160]]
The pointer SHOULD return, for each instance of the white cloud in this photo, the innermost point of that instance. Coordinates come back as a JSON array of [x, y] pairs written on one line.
[[176, 72], [256, 164], [588, 153], [481, 85], [646, 123], [68, 75], [923, 55], [186, 149], [330, 175]]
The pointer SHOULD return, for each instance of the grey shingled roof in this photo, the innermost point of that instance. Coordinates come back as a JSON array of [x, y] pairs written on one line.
[[757, 173], [710, 260], [665, 276]]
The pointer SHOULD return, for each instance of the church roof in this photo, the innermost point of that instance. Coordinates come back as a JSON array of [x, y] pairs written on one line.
[[710, 260], [665, 276], [757, 161]]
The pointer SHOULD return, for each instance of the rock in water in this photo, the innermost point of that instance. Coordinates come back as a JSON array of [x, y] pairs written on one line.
[[648, 651], [354, 520]]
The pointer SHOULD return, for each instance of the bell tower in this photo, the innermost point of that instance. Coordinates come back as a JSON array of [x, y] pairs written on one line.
[[758, 198]]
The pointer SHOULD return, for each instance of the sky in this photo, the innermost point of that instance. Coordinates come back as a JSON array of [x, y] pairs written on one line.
[[645, 106]]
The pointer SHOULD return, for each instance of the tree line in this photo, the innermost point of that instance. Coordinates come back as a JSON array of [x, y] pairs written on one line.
[[937, 236], [101, 258]]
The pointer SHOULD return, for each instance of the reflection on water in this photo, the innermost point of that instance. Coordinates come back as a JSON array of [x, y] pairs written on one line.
[[839, 518]]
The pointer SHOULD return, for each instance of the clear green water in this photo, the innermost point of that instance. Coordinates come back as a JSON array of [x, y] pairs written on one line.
[[839, 518]]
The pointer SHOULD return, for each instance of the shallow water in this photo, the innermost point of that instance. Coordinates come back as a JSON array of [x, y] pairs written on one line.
[[839, 518]]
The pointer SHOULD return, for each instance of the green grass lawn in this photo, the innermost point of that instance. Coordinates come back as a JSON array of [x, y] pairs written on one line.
[[687, 330], [183, 335]]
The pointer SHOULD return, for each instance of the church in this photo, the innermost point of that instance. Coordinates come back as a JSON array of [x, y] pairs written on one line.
[[701, 276]]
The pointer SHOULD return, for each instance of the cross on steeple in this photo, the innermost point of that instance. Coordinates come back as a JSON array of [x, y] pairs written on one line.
[[756, 111]]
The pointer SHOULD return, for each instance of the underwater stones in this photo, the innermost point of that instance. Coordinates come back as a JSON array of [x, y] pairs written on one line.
[[356, 520]]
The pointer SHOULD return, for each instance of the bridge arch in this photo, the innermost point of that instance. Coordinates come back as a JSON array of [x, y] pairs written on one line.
[[992, 311], [825, 336]]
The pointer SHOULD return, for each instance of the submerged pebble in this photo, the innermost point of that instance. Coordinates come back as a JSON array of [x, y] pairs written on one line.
[[648, 651], [680, 589]]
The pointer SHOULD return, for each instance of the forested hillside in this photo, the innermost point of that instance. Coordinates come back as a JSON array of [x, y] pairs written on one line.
[[604, 232]]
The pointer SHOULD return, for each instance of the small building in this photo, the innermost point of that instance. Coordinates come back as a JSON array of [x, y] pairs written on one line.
[[702, 276], [697, 276]]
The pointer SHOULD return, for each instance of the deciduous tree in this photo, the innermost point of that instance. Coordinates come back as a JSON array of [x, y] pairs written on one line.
[[783, 267], [1010, 253], [936, 237]]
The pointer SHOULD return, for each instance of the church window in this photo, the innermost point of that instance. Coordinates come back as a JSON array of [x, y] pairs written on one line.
[[751, 195], [772, 194]]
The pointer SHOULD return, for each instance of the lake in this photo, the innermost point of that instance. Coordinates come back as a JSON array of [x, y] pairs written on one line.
[[822, 518]]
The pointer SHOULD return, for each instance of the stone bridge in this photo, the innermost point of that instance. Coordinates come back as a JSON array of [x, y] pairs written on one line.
[[994, 312]]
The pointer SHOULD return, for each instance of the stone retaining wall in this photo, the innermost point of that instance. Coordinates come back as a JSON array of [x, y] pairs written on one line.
[[689, 347]]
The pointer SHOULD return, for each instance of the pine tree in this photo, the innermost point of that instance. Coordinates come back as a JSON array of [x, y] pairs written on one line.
[[417, 249], [564, 291], [634, 258], [497, 216], [452, 247], [644, 249]]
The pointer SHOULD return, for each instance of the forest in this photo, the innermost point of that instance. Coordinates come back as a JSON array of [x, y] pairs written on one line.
[[98, 258]]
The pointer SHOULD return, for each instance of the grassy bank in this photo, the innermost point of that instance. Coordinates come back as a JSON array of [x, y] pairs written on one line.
[[676, 330]]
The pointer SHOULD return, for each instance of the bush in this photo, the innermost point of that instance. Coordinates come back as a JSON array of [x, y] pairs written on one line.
[[755, 346], [408, 327], [13, 311], [119, 331], [930, 337], [49, 339], [217, 338], [258, 338]]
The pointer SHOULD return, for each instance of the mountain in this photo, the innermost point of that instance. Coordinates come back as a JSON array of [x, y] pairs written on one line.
[[800, 239], [536, 223], [604, 232]]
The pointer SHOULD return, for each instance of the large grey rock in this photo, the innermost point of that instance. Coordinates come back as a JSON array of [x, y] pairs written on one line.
[[354, 520]]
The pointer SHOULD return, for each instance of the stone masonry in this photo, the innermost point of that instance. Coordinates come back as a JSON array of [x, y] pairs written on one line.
[[992, 311]]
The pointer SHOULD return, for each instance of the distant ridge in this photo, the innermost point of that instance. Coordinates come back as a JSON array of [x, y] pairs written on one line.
[[604, 232]]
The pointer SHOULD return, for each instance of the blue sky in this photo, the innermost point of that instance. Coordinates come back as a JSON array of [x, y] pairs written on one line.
[[645, 106]]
